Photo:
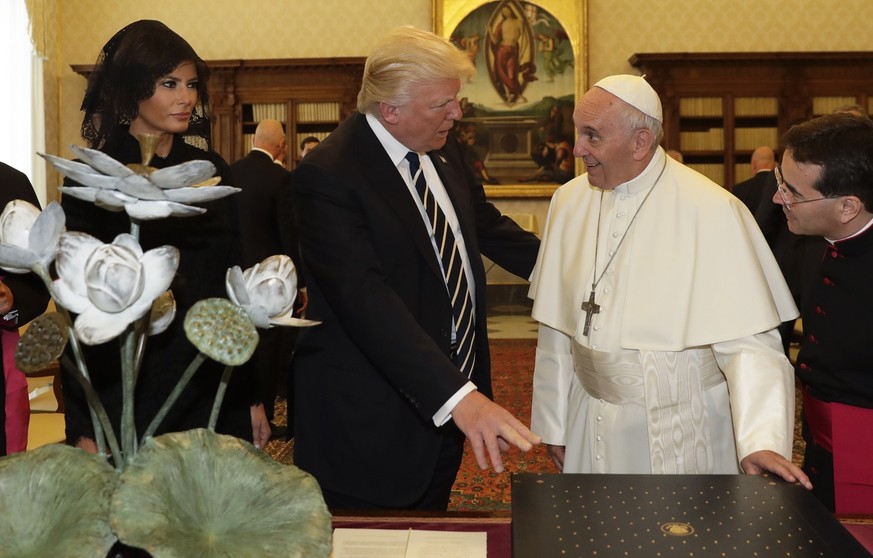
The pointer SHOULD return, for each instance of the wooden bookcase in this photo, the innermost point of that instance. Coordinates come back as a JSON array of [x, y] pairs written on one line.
[[311, 96], [719, 106]]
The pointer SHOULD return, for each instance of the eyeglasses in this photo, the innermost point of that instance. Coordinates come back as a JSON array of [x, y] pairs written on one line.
[[784, 192]]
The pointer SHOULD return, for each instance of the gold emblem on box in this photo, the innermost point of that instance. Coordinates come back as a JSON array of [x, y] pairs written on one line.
[[677, 529]]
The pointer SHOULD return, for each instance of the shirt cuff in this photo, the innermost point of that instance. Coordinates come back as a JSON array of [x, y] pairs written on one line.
[[444, 413]]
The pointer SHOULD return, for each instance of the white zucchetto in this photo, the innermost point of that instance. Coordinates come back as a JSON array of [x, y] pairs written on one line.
[[635, 91]]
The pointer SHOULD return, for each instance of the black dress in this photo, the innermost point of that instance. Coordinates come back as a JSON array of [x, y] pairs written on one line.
[[208, 245]]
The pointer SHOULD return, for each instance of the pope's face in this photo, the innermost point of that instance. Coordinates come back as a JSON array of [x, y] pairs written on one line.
[[168, 110], [424, 123], [604, 144]]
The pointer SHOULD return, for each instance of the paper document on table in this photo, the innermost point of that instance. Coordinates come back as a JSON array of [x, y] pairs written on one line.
[[396, 543], [446, 544], [369, 543]]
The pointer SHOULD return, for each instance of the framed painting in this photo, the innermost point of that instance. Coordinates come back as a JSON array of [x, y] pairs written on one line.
[[531, 66]]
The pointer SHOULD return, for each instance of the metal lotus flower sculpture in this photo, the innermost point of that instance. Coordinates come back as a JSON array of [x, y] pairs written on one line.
[[28, 237], [267, 291], [119, 290], [111, 285], [145, 195]]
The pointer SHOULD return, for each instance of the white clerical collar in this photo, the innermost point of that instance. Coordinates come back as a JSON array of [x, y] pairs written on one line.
[[859, 233], [645, 179], [395, 150]]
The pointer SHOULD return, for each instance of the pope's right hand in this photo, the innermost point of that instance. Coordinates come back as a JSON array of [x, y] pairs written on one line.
[[557, 455]]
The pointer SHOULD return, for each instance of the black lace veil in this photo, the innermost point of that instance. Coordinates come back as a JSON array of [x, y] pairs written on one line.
[[126, 73]]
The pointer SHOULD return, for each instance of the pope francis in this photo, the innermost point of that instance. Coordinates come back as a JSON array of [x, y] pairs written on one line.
[[658, 301]]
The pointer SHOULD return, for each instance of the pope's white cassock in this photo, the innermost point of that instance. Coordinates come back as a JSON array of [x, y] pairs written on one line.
[[682, 370]]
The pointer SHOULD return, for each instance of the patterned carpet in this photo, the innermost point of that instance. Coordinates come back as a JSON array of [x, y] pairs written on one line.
[[476, 490], [512, 373]]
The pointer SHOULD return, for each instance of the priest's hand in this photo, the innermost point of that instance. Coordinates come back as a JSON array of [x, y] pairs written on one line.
[[490, 427], [766, 461], [557, 454]]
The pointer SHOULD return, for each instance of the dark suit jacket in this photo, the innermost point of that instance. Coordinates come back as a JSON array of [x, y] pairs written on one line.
[[266, 208], [749, 191], [372, 375], [29, 294]]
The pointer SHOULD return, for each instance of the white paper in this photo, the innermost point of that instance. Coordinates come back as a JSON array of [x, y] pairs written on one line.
[[398, 543], [447, 544], [369, 543]]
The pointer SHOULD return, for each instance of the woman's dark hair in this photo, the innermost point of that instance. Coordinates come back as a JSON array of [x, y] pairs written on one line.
[[126, 73]]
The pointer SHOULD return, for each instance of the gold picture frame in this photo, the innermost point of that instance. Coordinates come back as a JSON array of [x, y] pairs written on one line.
[[520, 100]]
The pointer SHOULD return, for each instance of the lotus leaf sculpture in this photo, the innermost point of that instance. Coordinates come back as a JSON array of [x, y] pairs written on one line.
[[198, 493], [55, 503]]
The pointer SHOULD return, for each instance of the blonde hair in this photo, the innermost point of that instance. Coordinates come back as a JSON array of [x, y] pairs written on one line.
[[404, 58]]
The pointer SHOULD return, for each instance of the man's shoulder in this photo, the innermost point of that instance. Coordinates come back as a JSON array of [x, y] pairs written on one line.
[[694, 182], [755, 181], [575, 190], [349, 143], [745, 183], [253, 158], [10, 172], [258, 172], [256, 160], [15, 185]]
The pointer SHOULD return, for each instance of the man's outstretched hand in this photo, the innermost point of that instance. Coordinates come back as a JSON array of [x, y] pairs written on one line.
[[490, 427]]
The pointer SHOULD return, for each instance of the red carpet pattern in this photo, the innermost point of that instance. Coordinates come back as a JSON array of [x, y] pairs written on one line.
[[512, 373]]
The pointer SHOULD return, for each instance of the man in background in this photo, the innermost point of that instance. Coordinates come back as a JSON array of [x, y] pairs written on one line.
[[23, 297], [825, 188], [749, 191], [307, 145], [658, 300], [266, 217], [391, 227]]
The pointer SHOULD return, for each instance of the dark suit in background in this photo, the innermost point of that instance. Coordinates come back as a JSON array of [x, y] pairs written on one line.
[[29, 299], [749, 191], [798, 256], [266, 217]]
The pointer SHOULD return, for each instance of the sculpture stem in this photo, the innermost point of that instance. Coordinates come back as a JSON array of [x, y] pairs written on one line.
[[174, 395], [100, 416], [128, 382], [134, 229], [219, 397], [83, 376]]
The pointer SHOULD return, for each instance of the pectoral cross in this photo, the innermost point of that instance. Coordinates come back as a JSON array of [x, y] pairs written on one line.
[[590, 308]]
